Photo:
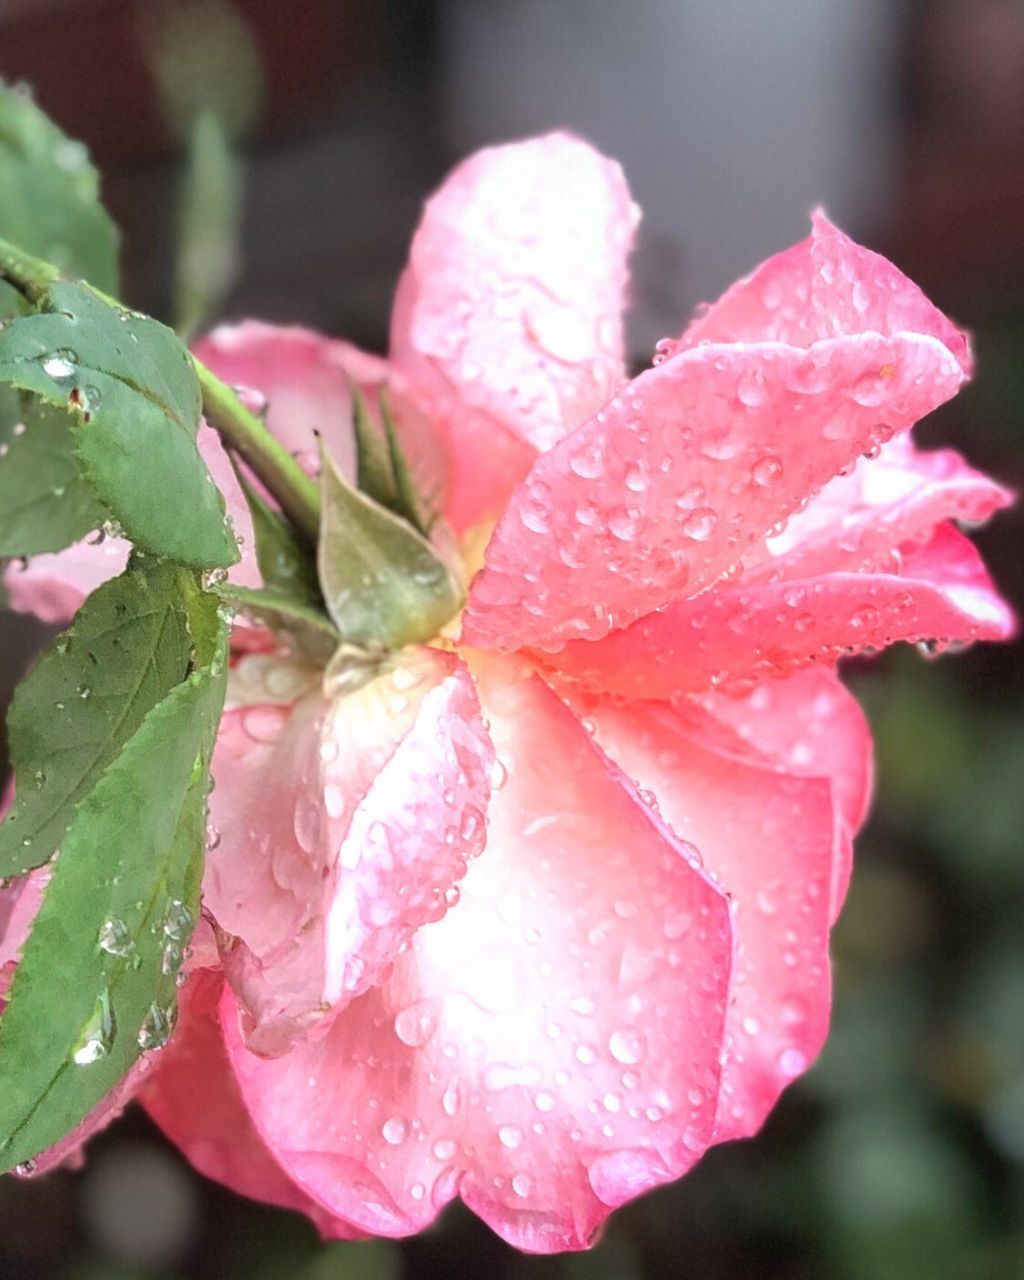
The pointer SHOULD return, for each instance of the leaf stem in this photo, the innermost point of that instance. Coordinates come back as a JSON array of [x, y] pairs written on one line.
[[245, 433], [30, 275]]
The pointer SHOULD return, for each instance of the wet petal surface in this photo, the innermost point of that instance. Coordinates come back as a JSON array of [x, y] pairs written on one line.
[[507, 327], [549, 1049], [674, 481]]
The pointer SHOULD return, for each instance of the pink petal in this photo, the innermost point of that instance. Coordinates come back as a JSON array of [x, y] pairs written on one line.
[[343, 826], [507, 325], [193, 1097], [767, 838], [809, 724], [674, 480], [547, 1051], [303, 379], [857, 520], [19, 902], [53, 586], [827, 286], [939, 593]]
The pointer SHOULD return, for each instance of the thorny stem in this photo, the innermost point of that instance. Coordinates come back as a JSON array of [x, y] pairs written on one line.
[[241, 430], [246, 433]]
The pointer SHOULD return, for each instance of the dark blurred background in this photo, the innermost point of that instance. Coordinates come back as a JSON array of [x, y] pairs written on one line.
[[901, 1155]]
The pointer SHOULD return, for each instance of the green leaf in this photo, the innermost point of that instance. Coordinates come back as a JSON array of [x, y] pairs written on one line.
[[311, 630], [134, 399], [95, 985], [383, 582], [46, 504], [128, 647], [209, 223], [285, 563], [49, 195]]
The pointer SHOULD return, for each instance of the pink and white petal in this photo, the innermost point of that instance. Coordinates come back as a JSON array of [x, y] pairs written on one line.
[[858, 520], [826, 286], [303, 379], [809, 723], [679, 475], [246, 572], [940, 593], [547, 1051], [53, 586], [341, 832], [767, 838], [19, 902], [508, 319], [192, 1095]]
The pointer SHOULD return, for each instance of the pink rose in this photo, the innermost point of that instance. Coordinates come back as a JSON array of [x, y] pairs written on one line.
[[536, 913]]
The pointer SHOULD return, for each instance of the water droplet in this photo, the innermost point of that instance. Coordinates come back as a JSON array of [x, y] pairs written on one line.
[[792, 1062], [511, 1136], [178, 922], [664, 349], [588, 463], [471, 824], [26, 1169], [767, 471], [172, 960], [444, 1149], [393, 1131], [522, 1184], [97, 1035], [115, 938], [622, 525], [699, 524], [60, 363], [626, 1046], [156, 1030], [544, 1101], [416, 1024]]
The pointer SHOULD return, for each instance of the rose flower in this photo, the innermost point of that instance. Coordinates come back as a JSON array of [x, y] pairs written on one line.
[[533, 907]]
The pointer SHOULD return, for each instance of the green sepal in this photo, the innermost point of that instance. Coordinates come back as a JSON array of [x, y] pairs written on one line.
[[46, 503], [408, 502], [95, 985], [309, 629], [382, 469], [127, 648], [49, 196], [285, 561], [374, 474], [384, 584], [133, 397]]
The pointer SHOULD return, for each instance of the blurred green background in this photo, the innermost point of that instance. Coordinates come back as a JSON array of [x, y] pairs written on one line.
[[901, 1155]]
